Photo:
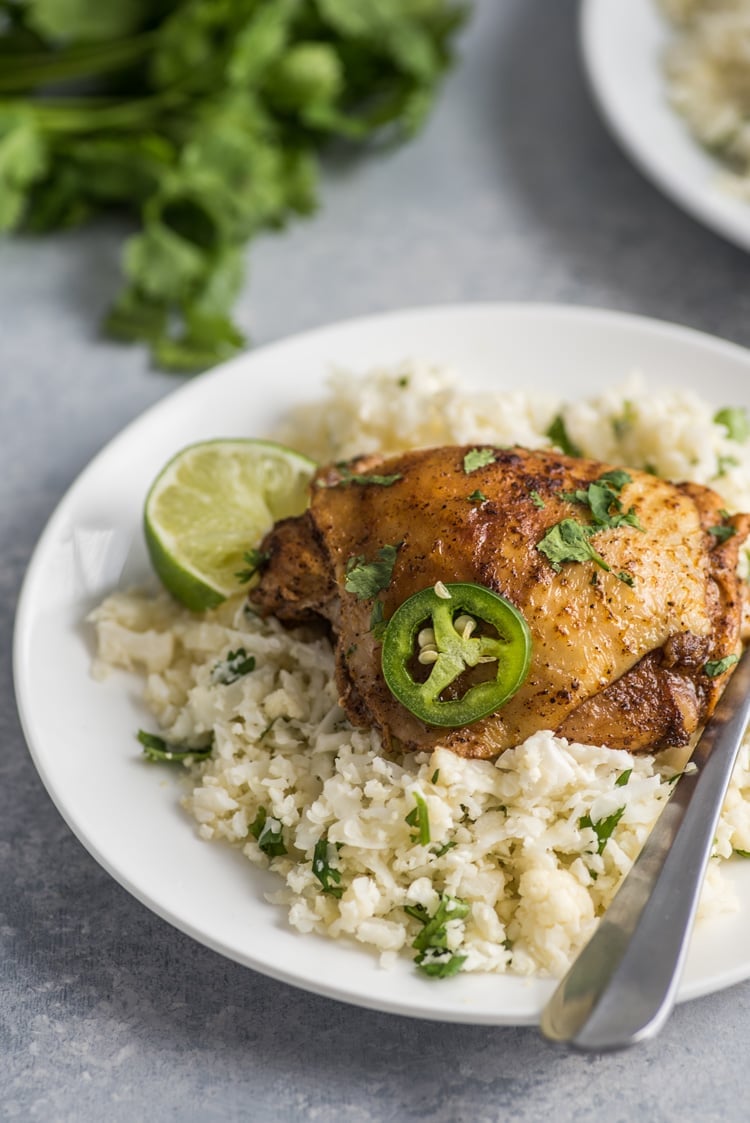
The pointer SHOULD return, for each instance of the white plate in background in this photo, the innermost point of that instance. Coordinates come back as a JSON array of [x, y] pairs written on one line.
[[81, 732], [622, 42]]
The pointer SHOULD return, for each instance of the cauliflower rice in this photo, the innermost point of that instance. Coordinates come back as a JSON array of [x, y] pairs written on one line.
[[533, 845]]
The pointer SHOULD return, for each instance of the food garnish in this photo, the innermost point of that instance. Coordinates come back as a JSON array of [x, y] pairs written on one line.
[[204, 120], [435, 957], [419, 817], [558, 434], [736, 422], [716, 667], [449, 647], [602, 828], [209, 508], [328, 876], [366, 579], [478, 458], [157, 750], [268, 833], [236, 665]]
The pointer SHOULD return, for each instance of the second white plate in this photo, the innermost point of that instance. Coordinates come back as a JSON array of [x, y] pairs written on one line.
[[622, 43]]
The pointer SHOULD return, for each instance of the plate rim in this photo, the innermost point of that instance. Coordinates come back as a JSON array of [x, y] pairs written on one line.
[[24, 614]]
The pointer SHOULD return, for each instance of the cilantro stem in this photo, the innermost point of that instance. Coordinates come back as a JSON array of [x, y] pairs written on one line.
[[22, 72], [91, 115]]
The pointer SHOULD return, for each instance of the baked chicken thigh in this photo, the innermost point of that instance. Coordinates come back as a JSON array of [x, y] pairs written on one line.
[[627, 583]]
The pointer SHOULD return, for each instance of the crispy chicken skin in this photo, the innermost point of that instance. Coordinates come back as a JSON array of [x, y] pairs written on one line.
[[613, 663]]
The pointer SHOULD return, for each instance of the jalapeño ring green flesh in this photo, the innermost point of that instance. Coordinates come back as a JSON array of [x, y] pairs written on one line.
[[511, 648]]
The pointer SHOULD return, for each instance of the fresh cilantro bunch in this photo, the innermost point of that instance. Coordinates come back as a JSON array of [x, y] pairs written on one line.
[[204, 118]]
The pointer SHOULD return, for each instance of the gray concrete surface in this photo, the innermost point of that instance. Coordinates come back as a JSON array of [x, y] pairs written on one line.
[[515, 191]]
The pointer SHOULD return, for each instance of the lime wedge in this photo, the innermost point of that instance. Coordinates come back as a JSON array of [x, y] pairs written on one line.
[[212, 503]]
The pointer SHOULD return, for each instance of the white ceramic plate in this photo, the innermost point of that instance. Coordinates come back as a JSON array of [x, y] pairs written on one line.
[[622, 43], [81, 733]]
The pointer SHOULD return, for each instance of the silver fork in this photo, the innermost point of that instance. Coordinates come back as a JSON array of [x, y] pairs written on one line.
[[622, 987]]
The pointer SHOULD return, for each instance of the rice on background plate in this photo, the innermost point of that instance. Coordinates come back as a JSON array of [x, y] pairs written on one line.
[[525, 852], [707, 65]]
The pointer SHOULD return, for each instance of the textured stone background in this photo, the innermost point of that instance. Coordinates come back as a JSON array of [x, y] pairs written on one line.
[[515, 191]]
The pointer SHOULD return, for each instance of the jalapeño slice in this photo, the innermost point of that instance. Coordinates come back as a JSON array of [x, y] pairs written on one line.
[[503, 642]]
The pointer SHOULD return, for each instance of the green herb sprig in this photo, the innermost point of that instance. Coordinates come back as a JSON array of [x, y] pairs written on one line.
[[328, 876], [602, 828], [435, 958], [366, 579], [159, 751], [203, 119]]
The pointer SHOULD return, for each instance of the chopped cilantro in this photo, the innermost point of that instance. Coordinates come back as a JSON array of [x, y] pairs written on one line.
[[622, 424], [569, 541], [403, 381], [722, 533], [323, 871], [419, 817], [237, 664], [438, 851], [716, 667], [536, 499], [602, 498], [269, 727], [558, 434], [477, 497], [267, 831], [439, 964], [742, 853], [478, 458], [366, 579], [623, 778], [158, 750], [735, 421], [255, 559], [625, 577], [347, 478], [724, 463], [435, 776], [602, 828], [435, 958], [377, 620]]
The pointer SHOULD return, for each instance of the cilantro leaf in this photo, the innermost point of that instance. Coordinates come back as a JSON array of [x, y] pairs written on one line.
[[477, 497], [716, 667], [536, 499], [236, 665], [419, 817], [736, 422], [569, 541], [157, 750], [366, 579], [623, 778], [602, 828], [558, 434], [435, 958], [268, 832], [328, 876], [478, 458], [347, 478], [722, 533], [603, 500]]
